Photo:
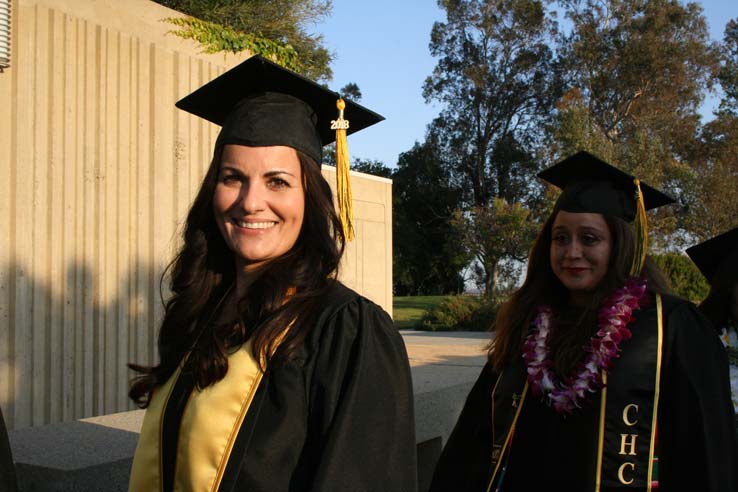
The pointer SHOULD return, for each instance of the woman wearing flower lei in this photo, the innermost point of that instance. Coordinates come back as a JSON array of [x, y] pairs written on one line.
[[597, 379], [717, 259]]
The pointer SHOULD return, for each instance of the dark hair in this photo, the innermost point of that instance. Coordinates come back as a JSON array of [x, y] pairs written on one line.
[[285, 290], [717, 304], [572, 326]]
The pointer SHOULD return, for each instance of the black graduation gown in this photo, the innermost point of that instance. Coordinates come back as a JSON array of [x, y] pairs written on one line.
[[697, 445], [7, 468], [339, 418]]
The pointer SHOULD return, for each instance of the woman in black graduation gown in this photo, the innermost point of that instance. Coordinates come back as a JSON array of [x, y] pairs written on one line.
[[597, 379], [717, 259], [273, 376]]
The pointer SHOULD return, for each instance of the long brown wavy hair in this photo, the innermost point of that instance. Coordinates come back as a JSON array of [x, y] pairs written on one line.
[[573, 326], [286, 289], [717, 304]]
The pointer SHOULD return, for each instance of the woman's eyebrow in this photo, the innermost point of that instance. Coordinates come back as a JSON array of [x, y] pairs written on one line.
[[226, 167], [596, 229], [276, 172]]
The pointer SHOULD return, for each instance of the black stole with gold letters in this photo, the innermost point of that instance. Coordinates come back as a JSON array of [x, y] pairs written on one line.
[[628, 443]]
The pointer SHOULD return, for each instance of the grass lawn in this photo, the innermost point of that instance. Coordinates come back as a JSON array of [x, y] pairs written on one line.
[[409, 310]]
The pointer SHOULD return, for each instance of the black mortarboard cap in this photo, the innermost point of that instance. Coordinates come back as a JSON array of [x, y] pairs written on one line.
[[592, 185], [259, 103], [711, 254]]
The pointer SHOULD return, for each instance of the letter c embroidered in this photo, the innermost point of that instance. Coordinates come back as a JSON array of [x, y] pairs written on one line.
[[627, 420], [622, 469]]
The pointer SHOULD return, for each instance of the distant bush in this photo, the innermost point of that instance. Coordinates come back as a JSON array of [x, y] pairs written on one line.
[[685, 278], [460, 313], [484, 316]]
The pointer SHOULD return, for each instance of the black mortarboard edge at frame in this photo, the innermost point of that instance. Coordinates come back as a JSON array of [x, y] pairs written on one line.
[[591, 185], [259, 103], [711, 254]]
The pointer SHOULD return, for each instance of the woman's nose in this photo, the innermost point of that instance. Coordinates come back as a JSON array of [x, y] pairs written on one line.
[[252, 198], [574, 250]]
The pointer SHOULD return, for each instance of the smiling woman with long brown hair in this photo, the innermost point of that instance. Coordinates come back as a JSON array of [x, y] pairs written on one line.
[[273, 376], [597, 379]]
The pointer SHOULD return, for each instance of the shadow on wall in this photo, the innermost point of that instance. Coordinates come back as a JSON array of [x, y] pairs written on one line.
[[69, 335]]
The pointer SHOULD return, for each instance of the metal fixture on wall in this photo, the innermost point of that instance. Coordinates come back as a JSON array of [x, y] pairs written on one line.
[[4, 34]]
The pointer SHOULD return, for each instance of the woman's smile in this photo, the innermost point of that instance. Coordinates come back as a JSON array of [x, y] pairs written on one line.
[[249, 226]]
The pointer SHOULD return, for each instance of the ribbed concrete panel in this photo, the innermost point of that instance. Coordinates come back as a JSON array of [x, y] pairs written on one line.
[[98, 171]]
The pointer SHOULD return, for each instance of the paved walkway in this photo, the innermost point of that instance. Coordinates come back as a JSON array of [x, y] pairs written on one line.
[[441, 359], [444, 368]]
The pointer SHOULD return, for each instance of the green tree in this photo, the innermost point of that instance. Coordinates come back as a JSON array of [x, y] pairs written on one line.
[[428, 258], [638, 64], [371, 166], [283, 21], [497, 82], [709, 197], [351, 91], [685, 278], [728, 74], [494, 79], [501, 231], [636, 72], [710, 194]]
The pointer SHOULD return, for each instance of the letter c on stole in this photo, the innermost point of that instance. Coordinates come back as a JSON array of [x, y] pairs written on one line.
[[622, 469], [627, 421]]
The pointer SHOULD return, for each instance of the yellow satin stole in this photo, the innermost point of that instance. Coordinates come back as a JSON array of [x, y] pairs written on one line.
[[210, 424]]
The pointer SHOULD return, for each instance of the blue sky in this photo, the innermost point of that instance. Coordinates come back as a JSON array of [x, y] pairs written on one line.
[[382, 45]]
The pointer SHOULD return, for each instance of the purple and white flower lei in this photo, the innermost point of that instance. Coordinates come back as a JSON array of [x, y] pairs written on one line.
[[613, 320]]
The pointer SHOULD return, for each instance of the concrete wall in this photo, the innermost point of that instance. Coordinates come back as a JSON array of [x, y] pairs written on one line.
[[98, 170], [367, 261]]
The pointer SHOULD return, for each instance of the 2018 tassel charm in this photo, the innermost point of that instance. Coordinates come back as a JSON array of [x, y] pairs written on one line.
[[343, 182]]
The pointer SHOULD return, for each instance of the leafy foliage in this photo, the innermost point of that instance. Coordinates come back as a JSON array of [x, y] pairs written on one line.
[[711, 204], [494, 79], [371, 166], [685, 278], [502, 230], [635, 73], [710, 181], [460, 313], [498, 85], [637, 63], [351, 91], [215, 38], [427, 257], [283, 22], [728, 74]]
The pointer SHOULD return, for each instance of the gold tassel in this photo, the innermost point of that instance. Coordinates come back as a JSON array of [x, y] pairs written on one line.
[[640, 228], [343, 181]]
